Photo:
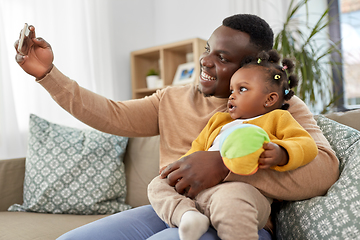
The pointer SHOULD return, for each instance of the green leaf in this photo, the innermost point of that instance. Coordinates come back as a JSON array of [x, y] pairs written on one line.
[[313, 58]]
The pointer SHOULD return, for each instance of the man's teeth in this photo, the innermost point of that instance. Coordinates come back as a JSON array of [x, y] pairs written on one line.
[[207, 77]]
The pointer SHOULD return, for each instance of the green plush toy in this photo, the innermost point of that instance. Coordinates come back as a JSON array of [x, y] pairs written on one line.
[[241, 147]]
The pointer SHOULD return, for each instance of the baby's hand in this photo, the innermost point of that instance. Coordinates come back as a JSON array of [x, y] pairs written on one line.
[[273, 155]]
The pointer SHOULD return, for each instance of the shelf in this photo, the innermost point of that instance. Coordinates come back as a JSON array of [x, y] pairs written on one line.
[[165, 58]]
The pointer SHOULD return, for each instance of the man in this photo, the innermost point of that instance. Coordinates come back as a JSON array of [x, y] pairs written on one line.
[[178, 114]]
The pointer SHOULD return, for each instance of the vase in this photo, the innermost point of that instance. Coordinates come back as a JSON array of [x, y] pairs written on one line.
[[151, 81]]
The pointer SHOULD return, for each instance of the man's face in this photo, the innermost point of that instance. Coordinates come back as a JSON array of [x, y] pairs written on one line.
[[225, 50]]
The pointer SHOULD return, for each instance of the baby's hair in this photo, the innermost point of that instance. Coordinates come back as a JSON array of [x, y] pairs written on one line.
[[279, 76]]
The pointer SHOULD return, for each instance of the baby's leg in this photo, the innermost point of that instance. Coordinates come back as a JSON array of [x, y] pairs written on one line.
[[167, 203], [193, 225], [237, 210]]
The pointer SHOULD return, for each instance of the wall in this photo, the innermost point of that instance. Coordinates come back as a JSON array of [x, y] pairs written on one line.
[[133, 29], [178, 20]]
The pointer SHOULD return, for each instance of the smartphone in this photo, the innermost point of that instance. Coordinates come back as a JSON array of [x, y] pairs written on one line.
[[24, 33]]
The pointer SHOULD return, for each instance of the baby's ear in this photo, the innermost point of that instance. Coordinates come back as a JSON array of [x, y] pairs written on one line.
[[271, 99]]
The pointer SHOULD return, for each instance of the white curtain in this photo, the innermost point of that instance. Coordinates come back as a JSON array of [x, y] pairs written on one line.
[[10, 141], [78, 32]]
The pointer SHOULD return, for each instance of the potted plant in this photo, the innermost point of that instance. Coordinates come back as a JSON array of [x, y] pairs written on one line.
[[152, 78], [313, 59]]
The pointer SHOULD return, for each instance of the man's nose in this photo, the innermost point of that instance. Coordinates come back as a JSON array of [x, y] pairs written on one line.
[[206, 61]]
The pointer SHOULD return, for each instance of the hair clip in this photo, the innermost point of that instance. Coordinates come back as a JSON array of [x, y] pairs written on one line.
[[259, 60], [286, 91], [284, 68], [277, 76]]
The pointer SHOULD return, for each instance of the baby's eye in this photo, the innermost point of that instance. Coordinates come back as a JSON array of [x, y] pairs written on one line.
[[243, 89]]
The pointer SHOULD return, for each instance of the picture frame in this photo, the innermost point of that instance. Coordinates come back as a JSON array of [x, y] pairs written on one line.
[[185, 74]]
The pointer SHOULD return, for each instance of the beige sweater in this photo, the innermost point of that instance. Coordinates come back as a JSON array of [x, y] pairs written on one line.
[[179, 114]]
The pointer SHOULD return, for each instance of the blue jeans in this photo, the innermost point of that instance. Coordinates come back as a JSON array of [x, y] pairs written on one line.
[[136, 224]]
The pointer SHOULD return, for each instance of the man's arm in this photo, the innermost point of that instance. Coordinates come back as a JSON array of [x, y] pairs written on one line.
[[120, 118], [132, 118]]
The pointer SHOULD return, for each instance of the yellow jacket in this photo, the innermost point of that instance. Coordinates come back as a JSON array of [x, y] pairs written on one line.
[[282, 129]]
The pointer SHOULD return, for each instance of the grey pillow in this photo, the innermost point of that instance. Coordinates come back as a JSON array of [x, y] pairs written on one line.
[[73, 171], [337, 214]]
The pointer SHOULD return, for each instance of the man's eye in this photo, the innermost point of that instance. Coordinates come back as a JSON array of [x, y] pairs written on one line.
[[207, 49], [222, 58]]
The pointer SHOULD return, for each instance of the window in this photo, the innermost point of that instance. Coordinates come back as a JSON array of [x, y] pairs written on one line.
[[346, 30], [350, 34]]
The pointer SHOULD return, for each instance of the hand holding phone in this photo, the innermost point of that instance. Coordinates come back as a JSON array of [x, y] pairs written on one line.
[[24, 33], [34, 55]]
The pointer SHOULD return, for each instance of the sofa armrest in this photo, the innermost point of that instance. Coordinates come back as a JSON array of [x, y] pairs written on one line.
[[349, 118], [12, 172]]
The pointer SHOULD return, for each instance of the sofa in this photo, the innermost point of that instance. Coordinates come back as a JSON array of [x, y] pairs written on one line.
[[293, 220], [142, 164]]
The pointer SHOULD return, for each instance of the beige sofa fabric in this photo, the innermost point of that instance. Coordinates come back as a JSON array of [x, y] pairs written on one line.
[[141, 166], [349, 118], [12, 174]]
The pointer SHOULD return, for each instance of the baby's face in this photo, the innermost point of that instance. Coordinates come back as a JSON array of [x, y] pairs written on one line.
[[248, 93]]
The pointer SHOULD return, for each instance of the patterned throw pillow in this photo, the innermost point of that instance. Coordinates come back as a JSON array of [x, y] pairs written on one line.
[[73, 171], [337, 214]]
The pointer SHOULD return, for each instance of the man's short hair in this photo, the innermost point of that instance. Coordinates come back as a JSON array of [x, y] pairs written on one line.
[[261, 34]]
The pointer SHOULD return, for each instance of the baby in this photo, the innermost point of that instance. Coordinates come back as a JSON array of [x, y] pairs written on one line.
[[259, 90]]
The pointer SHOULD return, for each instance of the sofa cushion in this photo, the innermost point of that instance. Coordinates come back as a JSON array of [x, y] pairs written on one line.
[[337, 214], [73, 171]]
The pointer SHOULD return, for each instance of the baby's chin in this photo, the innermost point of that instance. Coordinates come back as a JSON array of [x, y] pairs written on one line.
[[233, 115]]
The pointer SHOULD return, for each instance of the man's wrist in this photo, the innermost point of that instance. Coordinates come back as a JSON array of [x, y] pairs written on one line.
[[46, 73]]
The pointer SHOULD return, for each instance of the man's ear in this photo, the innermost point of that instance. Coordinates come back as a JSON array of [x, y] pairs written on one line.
[[271, 99]]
